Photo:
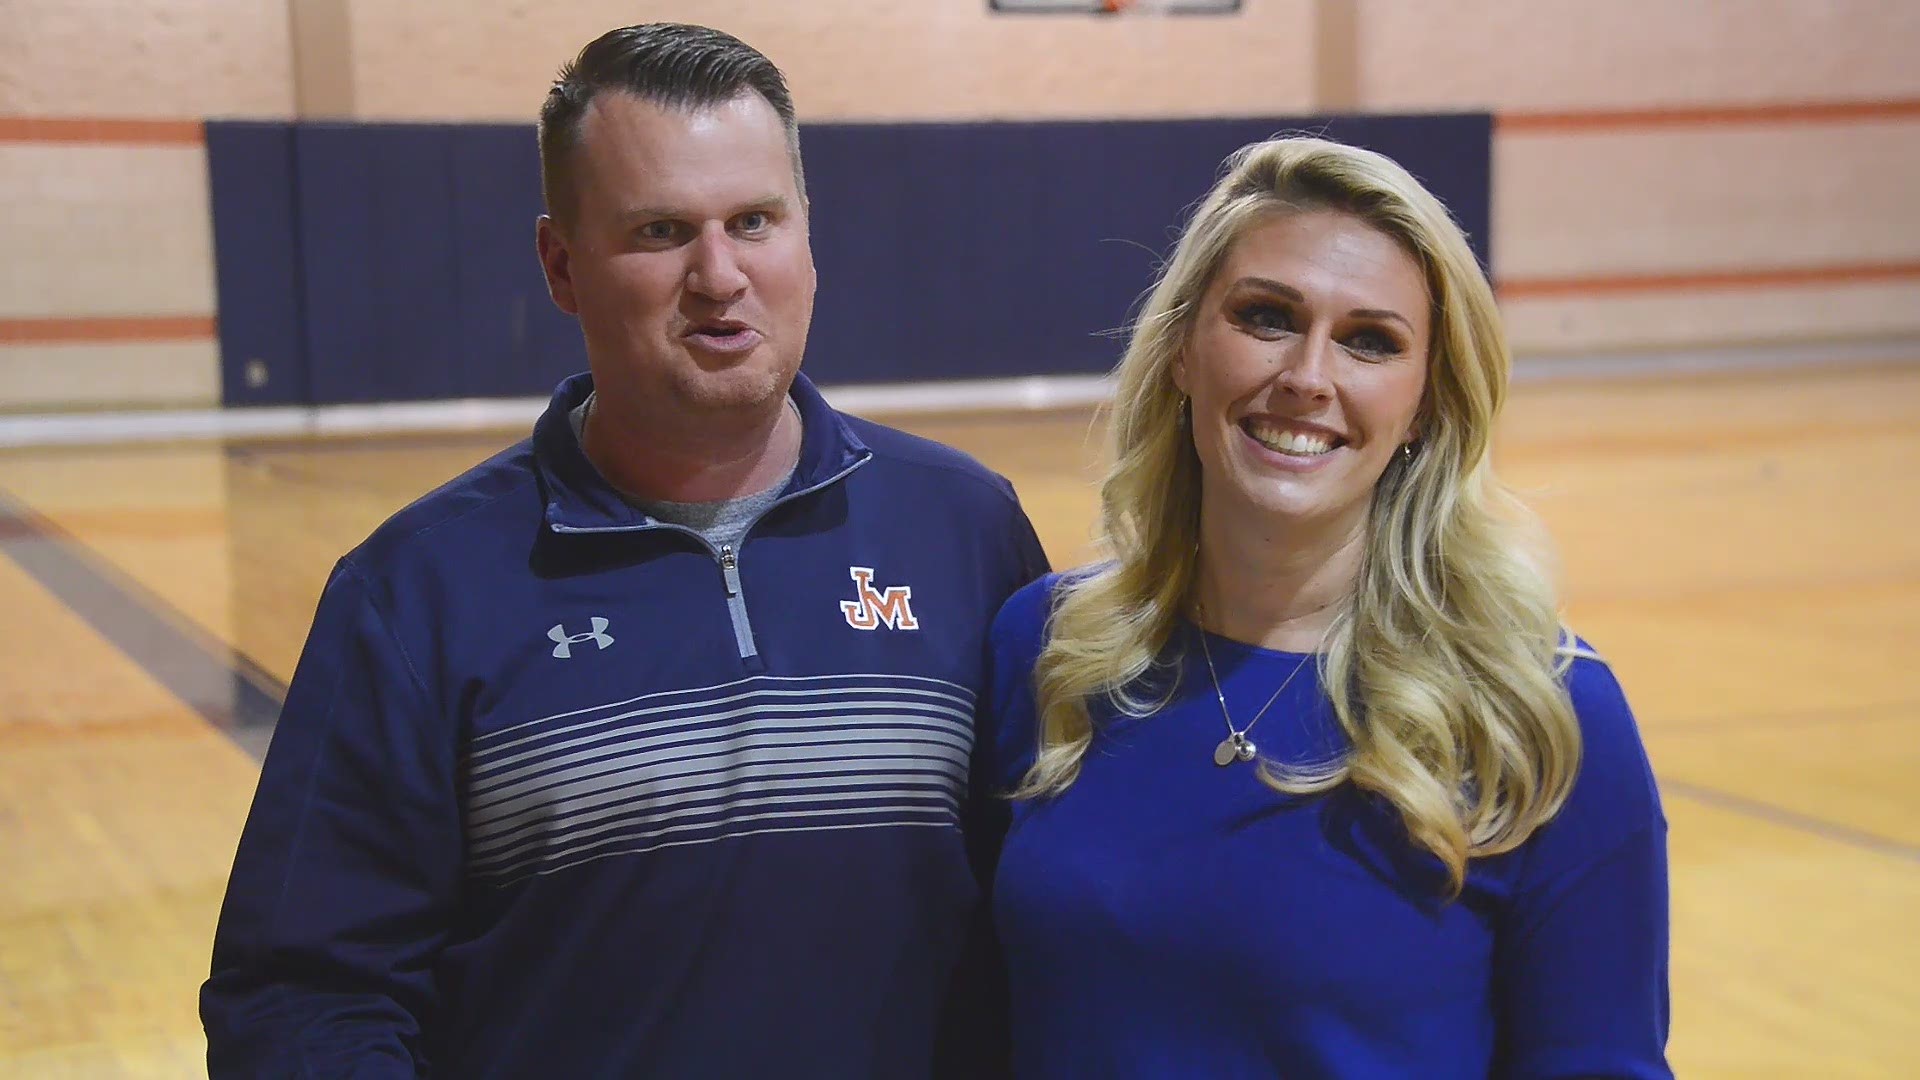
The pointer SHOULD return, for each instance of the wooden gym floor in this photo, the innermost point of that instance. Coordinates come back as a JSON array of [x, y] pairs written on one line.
[[1745, 549]]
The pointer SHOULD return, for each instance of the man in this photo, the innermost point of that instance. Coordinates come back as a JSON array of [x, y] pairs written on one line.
[[642, 748]]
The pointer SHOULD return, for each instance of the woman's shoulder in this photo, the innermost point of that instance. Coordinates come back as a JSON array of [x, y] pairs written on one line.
[[1609, 731], [1018, 637], [1614, 796], [1025, 612], [1021, 625]]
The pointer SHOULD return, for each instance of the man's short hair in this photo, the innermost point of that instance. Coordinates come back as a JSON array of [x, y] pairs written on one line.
[[670, 64]]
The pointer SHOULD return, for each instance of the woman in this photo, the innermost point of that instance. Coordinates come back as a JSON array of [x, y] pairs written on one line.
[[1308, 779]]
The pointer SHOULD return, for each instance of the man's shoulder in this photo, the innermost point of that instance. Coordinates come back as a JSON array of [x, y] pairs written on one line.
[[450, 523], [932, 462]]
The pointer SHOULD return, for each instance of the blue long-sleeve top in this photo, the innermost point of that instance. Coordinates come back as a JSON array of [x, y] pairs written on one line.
[[560, 790], [1168, 917]]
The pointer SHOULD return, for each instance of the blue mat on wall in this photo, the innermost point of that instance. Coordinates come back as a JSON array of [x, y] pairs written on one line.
[[394, 262], [256, 244]]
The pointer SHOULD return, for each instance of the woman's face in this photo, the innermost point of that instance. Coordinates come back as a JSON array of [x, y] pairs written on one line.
[[1306, 365]]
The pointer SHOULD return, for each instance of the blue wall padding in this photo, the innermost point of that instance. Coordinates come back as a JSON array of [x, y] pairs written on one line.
[[376, 213], [945, 251], [250, 177], [510, 338], [986, 250]]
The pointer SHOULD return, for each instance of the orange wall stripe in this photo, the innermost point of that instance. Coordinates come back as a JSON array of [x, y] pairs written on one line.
[[1834, 112], [108, 329], [95, 130], [1535, 288]]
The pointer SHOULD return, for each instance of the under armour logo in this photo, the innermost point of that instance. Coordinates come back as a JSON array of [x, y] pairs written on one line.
[[876, 606], [564, 642]]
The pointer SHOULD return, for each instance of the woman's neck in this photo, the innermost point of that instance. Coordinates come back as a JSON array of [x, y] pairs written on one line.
[[1276, 585]]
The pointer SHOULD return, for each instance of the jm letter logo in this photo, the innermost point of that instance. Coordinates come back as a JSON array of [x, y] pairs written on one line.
[[564, 642], [872, 608]]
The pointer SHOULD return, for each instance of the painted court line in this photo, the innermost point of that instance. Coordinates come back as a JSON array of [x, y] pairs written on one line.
[[223, 685], [1779, 815], [1867, 713]]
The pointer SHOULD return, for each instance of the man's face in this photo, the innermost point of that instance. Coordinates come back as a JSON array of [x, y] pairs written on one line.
[[687, 260]]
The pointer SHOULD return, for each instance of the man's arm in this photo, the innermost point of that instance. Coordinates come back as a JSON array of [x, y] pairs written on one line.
[[349, 867], [973, 1038]]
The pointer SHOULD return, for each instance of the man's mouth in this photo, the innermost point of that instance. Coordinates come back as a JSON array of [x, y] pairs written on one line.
[[720, 330]]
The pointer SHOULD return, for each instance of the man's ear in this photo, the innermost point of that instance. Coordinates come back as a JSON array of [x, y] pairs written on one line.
[[556, 261]]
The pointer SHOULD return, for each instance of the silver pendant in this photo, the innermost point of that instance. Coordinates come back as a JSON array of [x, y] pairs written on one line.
[[1234, 747], [1224, 754]]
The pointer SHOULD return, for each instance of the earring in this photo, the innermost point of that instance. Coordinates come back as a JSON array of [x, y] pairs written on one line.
[[1186, 411], [1406, 451]]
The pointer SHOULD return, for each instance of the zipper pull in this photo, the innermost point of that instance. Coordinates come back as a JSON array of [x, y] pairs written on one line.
[[730, 569]]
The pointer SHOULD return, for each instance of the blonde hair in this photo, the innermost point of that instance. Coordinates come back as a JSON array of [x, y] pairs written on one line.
[[1445, 665]]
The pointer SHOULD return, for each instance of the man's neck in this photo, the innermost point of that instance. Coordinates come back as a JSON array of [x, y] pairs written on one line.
[[710, 462]]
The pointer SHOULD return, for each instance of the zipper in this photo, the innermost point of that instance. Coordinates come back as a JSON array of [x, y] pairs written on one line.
[[729, 560], [737, 603], [728, 557]]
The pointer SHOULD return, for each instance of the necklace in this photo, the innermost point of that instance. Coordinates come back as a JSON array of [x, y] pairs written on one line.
[[1236, 746]]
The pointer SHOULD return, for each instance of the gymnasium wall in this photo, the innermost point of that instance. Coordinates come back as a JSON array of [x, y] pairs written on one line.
[[1664, 175], [106, 255], [946, 251], [1681, 174]]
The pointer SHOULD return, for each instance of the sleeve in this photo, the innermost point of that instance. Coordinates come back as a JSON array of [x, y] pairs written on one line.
[[1004, 725], [1014, 603], [1030, 555], [974, 1028], [1581, 960], [348, 868], [1018, 555]]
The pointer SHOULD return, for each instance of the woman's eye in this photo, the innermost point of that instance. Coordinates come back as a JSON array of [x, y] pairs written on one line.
[[1374, 343], [1262, 316]]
